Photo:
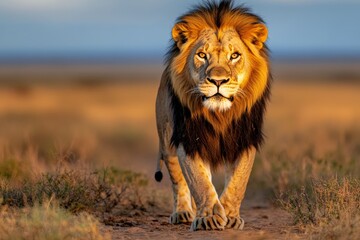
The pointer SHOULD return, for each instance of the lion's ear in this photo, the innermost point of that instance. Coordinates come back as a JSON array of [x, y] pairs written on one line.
[[180, 33], [256, 33]]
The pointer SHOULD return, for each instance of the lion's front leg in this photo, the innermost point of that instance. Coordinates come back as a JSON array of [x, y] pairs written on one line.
[[210, 213], [237, 176]]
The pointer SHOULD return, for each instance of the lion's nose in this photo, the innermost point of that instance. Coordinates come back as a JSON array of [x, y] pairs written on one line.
[[218, 82]]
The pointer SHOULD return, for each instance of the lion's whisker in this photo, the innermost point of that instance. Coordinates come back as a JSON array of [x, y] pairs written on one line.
[[193, 91]]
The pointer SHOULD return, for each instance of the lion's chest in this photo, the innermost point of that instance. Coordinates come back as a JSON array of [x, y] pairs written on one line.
[[199, 136]]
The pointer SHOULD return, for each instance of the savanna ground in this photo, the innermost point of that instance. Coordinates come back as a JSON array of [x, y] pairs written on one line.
[[78, 146]]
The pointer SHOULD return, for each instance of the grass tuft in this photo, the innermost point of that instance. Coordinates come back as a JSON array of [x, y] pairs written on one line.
[[77, 191], [325, 205], [48, 222]]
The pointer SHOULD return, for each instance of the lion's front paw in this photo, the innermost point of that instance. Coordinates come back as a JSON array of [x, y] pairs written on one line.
[[217, 221], [236, 223], [214, 222], [181, 217]]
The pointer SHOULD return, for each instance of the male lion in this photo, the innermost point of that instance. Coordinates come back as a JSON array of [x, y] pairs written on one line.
[[209, 108]]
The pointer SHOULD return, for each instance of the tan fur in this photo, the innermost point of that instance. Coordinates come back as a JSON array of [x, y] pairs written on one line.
[[187, 74], [237, 176], [198, 176]]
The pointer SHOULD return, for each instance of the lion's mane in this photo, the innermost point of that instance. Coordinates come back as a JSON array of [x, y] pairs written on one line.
[[218, 136]]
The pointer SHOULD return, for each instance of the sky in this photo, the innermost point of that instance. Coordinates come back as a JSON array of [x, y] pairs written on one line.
[[141, 28]]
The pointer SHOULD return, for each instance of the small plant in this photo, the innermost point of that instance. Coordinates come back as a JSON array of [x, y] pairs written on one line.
[[324, 200], [325, 205], [48, 222]]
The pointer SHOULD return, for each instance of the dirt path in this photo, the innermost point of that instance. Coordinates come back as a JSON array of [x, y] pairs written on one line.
[[260, 223]]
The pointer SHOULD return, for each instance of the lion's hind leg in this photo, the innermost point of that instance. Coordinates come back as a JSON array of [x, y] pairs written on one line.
[[237, 176], [182, 212]]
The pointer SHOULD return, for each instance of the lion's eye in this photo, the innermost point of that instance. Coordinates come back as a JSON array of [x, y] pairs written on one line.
[[202, 55], [234, 56]]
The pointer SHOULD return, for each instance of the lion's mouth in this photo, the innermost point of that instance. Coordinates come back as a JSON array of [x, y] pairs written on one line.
[[218, 96]]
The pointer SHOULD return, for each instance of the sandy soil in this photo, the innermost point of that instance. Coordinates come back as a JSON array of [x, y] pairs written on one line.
[[260, 223]]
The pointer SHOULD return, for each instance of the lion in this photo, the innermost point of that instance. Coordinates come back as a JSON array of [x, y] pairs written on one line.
[[210, 108]]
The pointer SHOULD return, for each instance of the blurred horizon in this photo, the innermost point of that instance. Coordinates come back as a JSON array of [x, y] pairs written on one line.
[[94, 31]]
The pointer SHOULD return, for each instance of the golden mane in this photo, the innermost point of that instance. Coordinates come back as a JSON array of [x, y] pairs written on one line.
[[219, 17]]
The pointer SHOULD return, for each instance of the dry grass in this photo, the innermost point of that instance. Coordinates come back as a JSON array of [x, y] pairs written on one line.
[[327, 209], [78, 191], [48, 222], [279, 170], [346, 227], [323, 201], [62, 205], [58, 139]]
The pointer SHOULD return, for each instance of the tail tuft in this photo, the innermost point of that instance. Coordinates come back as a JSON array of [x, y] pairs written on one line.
[[158, 176]]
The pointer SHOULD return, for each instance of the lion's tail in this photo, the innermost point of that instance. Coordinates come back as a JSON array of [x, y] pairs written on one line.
[[158, 173]]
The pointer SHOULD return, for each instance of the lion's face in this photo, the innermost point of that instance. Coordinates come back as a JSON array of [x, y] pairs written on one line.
[[217, 66]]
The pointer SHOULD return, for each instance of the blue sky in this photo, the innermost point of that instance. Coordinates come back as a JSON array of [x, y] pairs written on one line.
[[142, 27]]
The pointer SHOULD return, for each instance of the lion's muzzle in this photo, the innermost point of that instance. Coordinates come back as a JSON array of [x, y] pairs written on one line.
[[218, 75], [218, 82]]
